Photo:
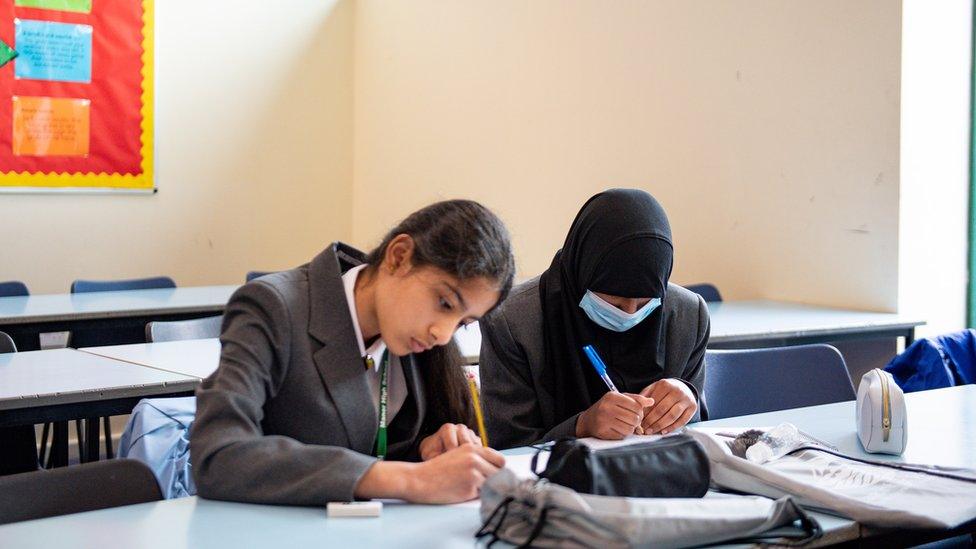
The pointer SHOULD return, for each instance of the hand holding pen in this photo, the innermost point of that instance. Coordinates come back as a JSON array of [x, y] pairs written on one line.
[[616, 414]]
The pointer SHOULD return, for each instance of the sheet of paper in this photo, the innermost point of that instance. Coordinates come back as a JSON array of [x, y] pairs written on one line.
[[80, 6], [50, 126], [599, 444], [521, 464], [59, 52]]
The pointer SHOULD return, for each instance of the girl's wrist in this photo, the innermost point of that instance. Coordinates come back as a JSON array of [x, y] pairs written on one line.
[[387, 479], [581, 428]]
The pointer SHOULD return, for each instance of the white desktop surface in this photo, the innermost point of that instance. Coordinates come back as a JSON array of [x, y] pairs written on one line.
[[96, 305], [191, 357], [62, 376], [751, 320], [200, 357], [756, 321], [945, 434]]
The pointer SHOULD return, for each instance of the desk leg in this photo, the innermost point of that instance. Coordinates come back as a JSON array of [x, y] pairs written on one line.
[[91, 439], [82, 455], [108, 437], [59, 446]]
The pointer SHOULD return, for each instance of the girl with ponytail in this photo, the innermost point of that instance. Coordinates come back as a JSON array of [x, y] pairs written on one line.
[[340, 380]]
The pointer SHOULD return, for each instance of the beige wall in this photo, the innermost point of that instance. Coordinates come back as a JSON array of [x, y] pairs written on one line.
[[769, 129], [779, 135], [254, 165]]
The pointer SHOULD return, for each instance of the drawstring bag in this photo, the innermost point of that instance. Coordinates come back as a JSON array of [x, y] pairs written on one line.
[[538, 513], [158, 434], [673, 466]]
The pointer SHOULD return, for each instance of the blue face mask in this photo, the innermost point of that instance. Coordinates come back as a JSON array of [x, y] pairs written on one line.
[[612, 318]]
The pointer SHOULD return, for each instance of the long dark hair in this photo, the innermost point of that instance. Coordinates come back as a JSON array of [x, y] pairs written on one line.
[[466, 240]]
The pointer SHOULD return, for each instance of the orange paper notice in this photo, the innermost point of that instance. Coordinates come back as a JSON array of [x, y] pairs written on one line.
[[49, 126]]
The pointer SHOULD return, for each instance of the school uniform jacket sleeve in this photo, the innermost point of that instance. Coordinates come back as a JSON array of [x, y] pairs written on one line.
[[519, 407], [233, 457]]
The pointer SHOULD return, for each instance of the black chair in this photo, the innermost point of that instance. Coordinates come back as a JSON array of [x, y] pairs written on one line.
[[86, 338], [708, 291], [86, 487], [178, 330], [752, 381], [251, 275]]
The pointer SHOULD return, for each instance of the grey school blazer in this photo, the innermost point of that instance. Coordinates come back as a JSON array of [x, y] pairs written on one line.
[[519, 407], [288, 417]]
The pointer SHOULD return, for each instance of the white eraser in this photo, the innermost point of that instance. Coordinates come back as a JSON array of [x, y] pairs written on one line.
[[355, 509]]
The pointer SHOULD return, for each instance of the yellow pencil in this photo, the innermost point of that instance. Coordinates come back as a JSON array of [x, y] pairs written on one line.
[[477, 412]]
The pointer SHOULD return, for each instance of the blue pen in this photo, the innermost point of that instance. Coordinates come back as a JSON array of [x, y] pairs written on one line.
[[599, 366]]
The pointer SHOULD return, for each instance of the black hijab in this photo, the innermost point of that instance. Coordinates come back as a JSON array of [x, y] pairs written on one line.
[[619, 244]]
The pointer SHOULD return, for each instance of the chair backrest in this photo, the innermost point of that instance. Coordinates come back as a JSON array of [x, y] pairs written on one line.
[[85, 487], [753, 381], [708, 291], [197, 328], [251, 275], [7, 344], [152, 283], [13, 288]]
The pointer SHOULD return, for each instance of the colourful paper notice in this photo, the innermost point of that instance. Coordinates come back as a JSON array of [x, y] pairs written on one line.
[[48, 126], [6, 53], [81, 6], [53, 51]]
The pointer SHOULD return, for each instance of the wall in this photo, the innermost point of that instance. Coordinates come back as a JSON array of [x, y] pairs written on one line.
[[254, 156], [769, 129]]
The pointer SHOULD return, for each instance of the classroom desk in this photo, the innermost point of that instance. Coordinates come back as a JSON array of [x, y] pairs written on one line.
[[751, 324], [64, 384], [946, 434], [761, 323], [196, 358], [199, 357], [126, 312]]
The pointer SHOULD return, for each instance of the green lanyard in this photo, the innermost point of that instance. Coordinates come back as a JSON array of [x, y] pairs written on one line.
[[384, 397]]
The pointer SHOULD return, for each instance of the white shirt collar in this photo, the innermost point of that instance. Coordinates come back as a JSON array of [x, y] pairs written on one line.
[[349, 285]]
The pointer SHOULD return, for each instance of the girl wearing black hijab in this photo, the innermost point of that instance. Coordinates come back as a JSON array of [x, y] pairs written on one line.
[[607, 287]]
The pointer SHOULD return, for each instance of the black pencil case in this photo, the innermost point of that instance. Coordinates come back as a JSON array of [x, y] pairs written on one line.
[[674, 466]]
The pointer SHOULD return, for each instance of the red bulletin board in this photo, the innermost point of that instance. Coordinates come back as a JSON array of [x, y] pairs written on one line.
[[115, 107]]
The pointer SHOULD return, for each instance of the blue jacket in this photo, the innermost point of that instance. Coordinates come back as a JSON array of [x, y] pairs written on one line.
[[158, 434], [941, 361]]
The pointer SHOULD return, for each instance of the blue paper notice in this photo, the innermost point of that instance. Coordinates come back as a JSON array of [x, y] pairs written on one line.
[[52, 51]]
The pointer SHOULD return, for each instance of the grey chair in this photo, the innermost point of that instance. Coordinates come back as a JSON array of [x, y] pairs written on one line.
[[752, 381], [7, 344], [708, 291], [177, 330], [86, 487]]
